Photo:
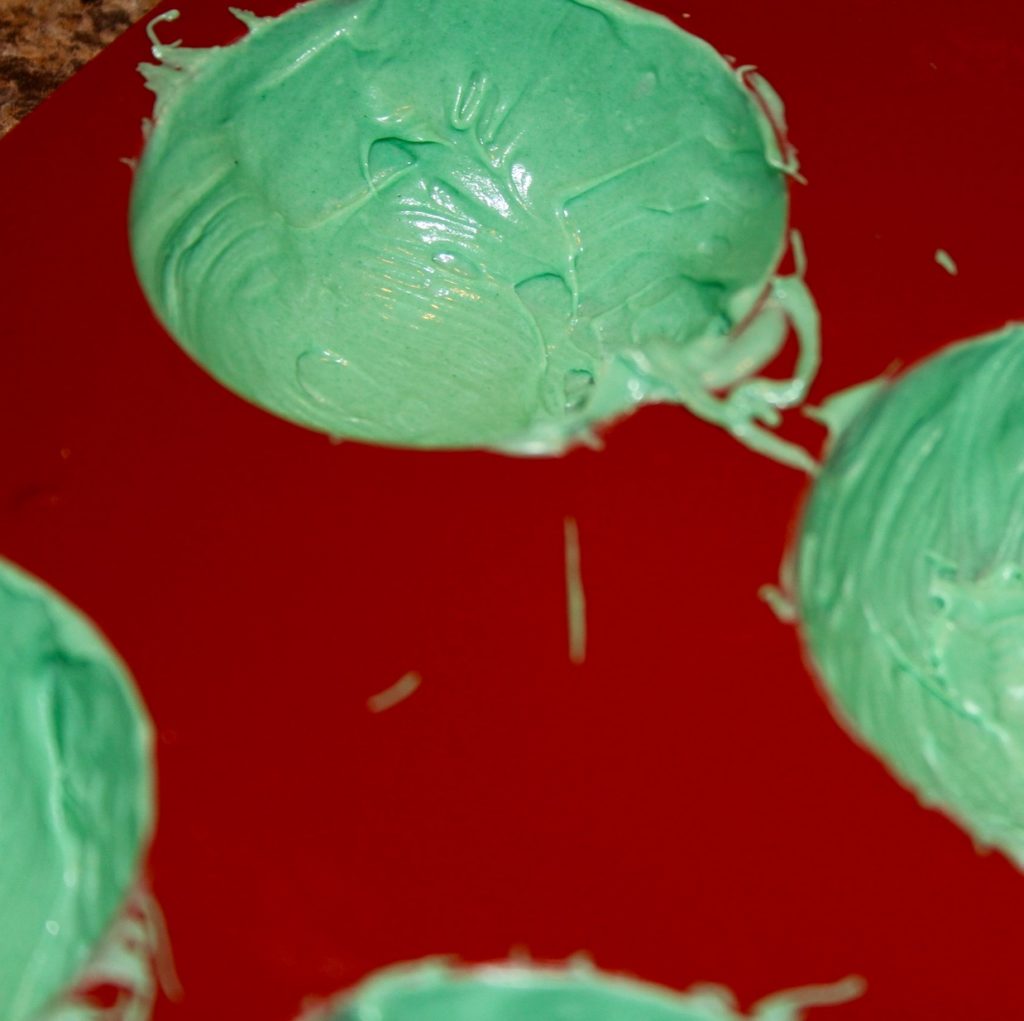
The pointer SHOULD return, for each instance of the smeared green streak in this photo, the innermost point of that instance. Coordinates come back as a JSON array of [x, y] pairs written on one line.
[[76, 802], [911, 587], [405, 687], [575, 595], [437, 991], [945, 260], [464, 223]]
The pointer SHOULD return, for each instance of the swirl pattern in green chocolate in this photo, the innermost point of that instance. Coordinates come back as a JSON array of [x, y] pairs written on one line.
[[75, 792], [464, 223], [910, 582]]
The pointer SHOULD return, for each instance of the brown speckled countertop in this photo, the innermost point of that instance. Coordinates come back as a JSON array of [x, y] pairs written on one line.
[[43, 42]]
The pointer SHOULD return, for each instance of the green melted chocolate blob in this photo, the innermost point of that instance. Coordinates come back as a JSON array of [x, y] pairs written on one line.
[[910, 581], [76, 805], [435, 991], [468, 223]]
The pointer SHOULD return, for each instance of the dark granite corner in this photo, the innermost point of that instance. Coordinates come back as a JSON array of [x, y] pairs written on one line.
[[43, 42]]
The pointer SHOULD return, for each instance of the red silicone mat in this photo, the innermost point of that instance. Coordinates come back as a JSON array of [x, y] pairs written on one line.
[[682, 805]]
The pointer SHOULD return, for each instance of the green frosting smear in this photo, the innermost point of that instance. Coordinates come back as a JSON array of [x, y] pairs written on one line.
[[437, 991], [472, 223], [910, 581], [76, 805]]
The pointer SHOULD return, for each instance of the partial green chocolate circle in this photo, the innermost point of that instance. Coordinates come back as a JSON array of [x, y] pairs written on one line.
[[910, 582], [76, 792], [438, 991], [458, 223]]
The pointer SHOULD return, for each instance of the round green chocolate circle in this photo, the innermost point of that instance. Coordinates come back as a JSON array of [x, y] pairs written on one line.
[[457, 223], [910, 582], [435, 990], [76, 792]]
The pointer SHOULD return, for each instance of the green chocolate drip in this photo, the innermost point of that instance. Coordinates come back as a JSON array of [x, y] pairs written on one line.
[[910, 581], [76, 805], [471, 223], [436, 991]]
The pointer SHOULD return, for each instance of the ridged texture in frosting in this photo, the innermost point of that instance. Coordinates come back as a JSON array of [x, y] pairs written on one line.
[[437, 991], [470, 223], [910, 582], [76, 802]]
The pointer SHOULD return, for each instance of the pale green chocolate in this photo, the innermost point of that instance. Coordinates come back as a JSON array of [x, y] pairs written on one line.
[[946, 261], [909, 577], [76, 804], [575, 594], [473, 223], [438, 991]]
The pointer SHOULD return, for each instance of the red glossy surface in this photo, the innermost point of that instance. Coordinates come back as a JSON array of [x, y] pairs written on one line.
[[682, 806]]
